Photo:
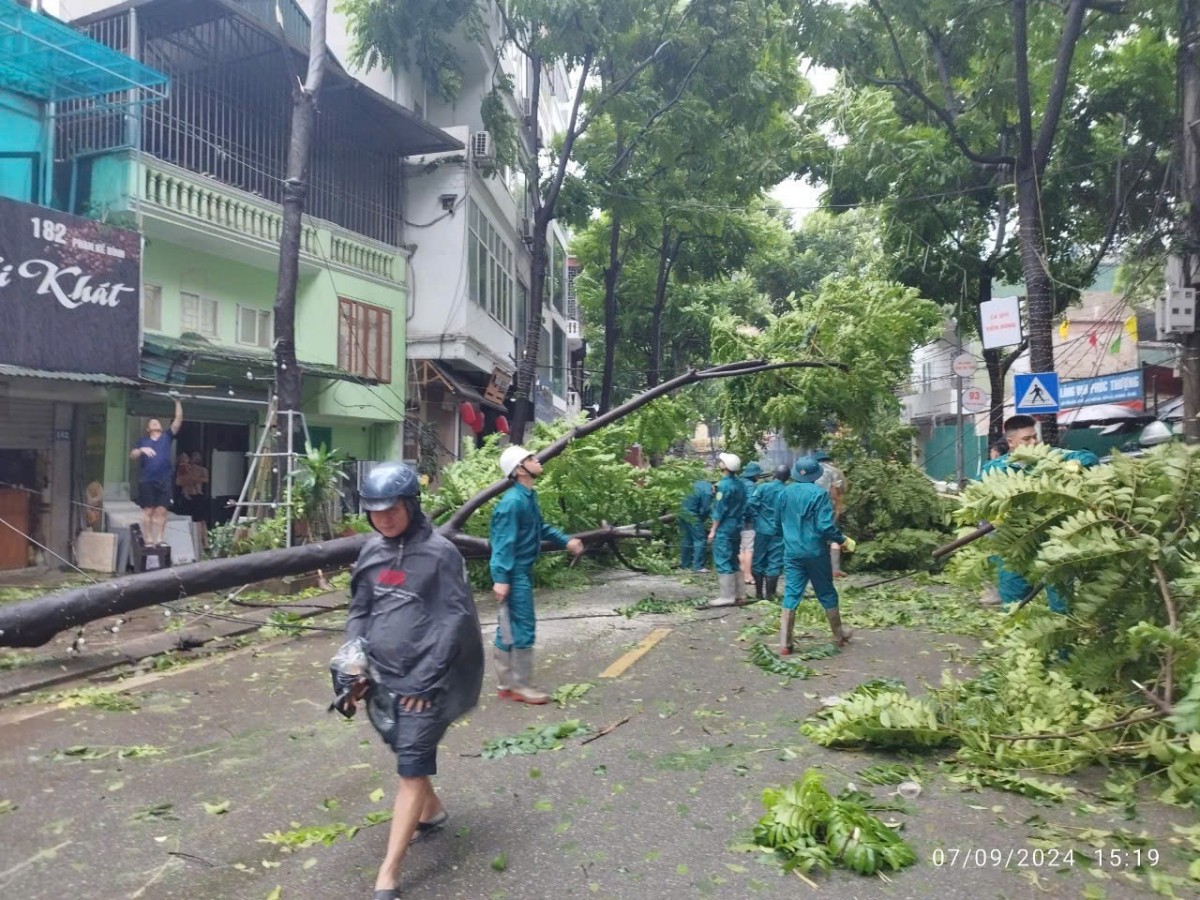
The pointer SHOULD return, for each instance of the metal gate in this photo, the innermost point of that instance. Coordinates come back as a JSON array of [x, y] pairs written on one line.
[[26, 424]]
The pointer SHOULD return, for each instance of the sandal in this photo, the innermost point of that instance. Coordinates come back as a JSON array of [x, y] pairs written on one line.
[[386, 894], [425, 829]]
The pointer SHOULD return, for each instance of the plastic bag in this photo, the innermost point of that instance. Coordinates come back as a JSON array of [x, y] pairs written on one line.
[[351, 658], [347, 666]]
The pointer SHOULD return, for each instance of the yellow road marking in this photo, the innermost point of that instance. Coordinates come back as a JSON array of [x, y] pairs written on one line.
[[644, 646]]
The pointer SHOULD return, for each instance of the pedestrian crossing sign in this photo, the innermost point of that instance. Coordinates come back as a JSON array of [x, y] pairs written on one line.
[[1036, 392]]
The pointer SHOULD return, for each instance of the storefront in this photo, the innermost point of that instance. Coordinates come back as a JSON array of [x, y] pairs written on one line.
[[69, 300]]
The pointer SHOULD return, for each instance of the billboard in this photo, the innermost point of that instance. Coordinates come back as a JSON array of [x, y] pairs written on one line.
[[70, 291]]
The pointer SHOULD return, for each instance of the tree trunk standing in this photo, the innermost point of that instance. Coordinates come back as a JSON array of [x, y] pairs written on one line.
[[295, 191], [666, 257], [523, 398], [1039, 298], [523, 388], [612, 326], [1039, 291], [1189, 102]]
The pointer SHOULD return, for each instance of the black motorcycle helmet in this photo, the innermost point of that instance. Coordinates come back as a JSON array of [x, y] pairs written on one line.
[[388, 483], [783, 473]]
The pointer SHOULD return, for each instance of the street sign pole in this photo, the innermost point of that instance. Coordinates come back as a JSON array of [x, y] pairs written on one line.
[[964, 367]]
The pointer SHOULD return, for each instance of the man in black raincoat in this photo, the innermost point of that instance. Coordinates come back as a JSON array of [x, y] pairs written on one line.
[[411, 604]]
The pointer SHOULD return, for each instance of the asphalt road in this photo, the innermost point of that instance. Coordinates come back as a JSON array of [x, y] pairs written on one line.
[[239, 747]]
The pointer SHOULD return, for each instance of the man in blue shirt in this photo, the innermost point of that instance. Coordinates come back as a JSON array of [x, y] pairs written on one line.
[[156, 474], [516, 534]]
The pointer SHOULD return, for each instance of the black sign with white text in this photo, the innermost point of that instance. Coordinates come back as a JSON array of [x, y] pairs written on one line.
[[70, 290]]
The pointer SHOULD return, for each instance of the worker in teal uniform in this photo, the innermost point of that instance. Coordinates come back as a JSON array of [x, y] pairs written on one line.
[[1021, 431], [694, 513], [805, 519], [516, 534], [728, 517], [768, 542], [750, 475]]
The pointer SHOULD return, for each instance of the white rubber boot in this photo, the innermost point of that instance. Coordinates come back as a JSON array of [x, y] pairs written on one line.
[[504, 682], [522, 690], [726, 589]]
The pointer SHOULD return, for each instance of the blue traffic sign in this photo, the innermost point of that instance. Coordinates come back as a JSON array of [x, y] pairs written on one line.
[[1036, 392]]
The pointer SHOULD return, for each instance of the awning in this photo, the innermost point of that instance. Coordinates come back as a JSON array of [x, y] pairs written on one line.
[[85, 377], [171, 360], [43, 58], [430, 371]]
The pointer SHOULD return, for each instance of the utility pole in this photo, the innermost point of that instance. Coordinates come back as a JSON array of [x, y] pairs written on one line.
[[1189, 103], [959, 473]]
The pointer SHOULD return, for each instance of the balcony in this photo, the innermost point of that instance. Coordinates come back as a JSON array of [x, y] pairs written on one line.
[[202, 213], [184, 198]]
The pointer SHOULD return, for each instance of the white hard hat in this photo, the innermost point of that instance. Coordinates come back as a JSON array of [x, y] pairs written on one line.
[[512, 457], [730, 461]]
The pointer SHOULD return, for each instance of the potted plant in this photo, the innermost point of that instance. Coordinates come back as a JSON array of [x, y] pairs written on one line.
[[315, 488]]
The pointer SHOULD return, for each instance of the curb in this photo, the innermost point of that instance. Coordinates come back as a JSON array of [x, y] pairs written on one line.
[[50, 672]]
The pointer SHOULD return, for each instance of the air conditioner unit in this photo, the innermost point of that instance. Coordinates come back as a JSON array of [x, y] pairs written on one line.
[[525, 228], [527, 112], [574, 334], [482, 150]]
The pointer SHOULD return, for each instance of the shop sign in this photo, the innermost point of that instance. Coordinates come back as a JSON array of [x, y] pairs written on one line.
[[70, 290]]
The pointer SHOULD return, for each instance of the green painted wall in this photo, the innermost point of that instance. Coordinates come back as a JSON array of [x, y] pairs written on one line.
[[940, 457], [23, 132]]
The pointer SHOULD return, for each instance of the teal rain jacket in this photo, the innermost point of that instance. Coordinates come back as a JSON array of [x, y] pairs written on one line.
[[517, 532], [729, 510], [764, 506], [697, 506], [806, 520]]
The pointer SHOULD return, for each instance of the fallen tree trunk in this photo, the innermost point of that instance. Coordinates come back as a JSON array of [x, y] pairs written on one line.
[[31, 623]]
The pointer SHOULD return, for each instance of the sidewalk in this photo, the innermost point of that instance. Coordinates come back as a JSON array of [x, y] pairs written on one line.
[[138, 634]]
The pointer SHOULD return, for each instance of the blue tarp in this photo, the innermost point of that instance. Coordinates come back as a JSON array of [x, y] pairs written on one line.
[[41, 57]]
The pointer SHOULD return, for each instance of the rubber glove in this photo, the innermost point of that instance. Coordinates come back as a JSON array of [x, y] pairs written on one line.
[[849, 545]]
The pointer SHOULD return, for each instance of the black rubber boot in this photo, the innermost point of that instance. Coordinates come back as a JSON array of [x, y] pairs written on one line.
[[772, 586], [758, 586]]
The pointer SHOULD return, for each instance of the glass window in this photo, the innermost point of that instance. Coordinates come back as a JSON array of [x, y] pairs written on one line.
[[365, 340], [151, 307]]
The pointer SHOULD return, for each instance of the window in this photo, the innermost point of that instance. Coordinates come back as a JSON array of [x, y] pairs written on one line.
[[255, 327], [490, 268], [365, 340], [151, 307], [198, 315]]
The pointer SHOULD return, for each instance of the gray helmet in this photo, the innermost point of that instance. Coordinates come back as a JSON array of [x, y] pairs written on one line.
[[783, 473], [387, 483]]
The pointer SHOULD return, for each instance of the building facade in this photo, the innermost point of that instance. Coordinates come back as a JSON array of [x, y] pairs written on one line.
[[201, 176], [69, 288]]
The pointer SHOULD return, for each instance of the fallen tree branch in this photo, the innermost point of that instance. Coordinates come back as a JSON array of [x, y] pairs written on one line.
[[607, 729], [31, 623], [1079, 732]]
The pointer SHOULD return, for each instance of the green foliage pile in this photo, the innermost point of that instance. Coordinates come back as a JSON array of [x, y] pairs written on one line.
[[534, 739], [809, 830], [877, 714], [1123, 543], [652, 605], [894, 513], [589, 483], [774, 664]]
